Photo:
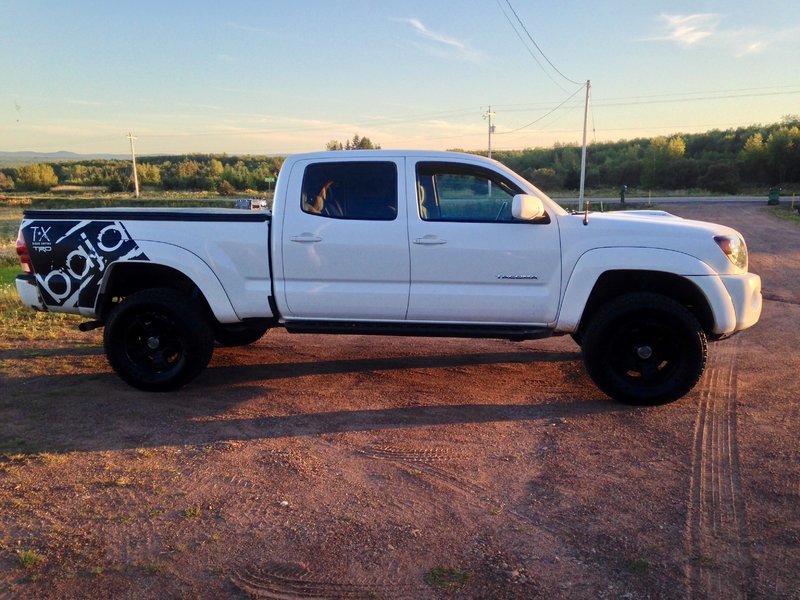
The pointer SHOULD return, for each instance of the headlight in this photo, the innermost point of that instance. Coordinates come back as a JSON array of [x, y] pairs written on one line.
[[734, 248]]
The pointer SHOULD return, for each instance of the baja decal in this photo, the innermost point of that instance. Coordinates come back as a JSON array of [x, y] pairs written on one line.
[[70, 257]]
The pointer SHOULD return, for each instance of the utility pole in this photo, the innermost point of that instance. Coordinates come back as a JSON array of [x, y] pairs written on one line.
[[133, 160], [583, 150], [488, 115]]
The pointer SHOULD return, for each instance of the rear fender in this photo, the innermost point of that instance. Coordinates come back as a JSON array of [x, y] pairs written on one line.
[[193, 267]]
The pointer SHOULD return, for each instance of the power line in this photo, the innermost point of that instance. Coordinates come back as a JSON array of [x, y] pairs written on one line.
[[610, 102], [533, 41], [699, 98], [544, 116], [660, 98], [533, 56]]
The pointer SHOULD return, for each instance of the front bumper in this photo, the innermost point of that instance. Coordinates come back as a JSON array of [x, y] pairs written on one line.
[[29, 292], [745, 293], [735, 300]]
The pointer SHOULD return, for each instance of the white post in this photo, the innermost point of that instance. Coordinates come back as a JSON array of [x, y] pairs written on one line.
[[583, 150], [133, 160], [489, 115]]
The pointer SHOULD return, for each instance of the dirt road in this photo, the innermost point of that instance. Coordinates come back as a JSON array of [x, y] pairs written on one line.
[[358, 467]]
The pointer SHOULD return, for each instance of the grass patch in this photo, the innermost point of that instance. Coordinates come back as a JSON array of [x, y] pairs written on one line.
[[154, 567], [18, 321], [10, 217], [639, 566], [28, 559], [192, 512], [450, 579], [8, 274], [121, 482], [785, 212]]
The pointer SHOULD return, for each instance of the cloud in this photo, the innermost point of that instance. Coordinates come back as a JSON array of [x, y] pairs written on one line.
[[81, 102], [705, 29], [250, 28], [752, 48], [688, 30], [444, 46]]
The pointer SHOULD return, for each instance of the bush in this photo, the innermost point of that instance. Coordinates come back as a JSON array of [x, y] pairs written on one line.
[[721, 177], [6, 183], [545, 178], [225, 188], [36, 177]]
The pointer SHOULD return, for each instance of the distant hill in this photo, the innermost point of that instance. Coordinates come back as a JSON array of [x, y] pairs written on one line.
[[28, 156]]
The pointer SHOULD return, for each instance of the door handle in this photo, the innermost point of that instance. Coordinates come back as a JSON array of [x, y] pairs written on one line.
[[429, 240], [306, 238]]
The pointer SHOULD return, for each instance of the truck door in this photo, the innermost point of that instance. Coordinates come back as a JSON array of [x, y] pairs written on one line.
[[471, 261], [345, 240]]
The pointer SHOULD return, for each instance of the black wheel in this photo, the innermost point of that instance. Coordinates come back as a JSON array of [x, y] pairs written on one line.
[[240, 334], [156, 340], [644, 349], [577, 338]]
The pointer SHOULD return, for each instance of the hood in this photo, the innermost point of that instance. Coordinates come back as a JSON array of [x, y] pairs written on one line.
[[649, 229]]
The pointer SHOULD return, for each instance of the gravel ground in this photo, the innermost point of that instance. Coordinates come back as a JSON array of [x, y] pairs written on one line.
[[371, 467]]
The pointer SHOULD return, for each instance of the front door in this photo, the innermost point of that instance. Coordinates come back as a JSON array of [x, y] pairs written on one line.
[[471, 261]]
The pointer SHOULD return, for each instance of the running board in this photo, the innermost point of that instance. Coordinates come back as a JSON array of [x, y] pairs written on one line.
[[503, 332]]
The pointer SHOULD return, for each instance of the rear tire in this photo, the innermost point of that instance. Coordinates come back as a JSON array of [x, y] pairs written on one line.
[[645, 349], [157, 340]]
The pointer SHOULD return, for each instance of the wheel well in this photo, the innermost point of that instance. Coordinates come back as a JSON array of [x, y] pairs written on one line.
[[128, 278], [616, 283]]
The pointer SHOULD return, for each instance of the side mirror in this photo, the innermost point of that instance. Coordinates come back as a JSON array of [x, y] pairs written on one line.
[[527, 207]]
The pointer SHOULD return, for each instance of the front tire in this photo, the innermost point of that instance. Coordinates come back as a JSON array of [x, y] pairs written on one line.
[[156, 340], [645, 349]]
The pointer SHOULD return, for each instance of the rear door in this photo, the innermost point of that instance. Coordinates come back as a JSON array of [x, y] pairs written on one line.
[[471, 261], [345, 240]]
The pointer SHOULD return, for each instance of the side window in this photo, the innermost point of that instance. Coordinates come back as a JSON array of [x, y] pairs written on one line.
[[453, 192], [351, 190]]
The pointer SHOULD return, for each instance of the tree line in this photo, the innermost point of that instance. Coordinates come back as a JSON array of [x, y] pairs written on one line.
[[202, 172], [724, 161]]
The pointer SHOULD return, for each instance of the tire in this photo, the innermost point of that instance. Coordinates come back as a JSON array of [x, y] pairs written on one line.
[[577, 338], [156, 340], [645, 349], [240, 334]]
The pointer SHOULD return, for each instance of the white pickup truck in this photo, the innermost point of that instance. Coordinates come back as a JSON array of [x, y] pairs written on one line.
[[396, 243]]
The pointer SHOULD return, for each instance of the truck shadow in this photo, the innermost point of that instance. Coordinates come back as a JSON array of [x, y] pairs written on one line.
[[227, 374], [64, 413]]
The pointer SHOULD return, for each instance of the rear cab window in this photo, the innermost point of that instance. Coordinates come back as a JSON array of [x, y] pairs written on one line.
[[365, 191]]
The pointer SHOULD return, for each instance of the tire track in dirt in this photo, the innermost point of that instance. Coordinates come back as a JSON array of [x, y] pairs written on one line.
[[778, 576], [717, 540], [422, 462], [294, 581]]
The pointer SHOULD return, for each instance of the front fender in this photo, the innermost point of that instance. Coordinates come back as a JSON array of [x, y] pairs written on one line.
[[191, 265], [592, 264]]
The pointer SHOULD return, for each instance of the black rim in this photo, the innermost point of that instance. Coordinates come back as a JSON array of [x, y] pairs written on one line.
[[645, 352], [153, 342]]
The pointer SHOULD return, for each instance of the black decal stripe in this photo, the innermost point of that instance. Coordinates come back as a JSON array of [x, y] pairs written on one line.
[[143, 214]]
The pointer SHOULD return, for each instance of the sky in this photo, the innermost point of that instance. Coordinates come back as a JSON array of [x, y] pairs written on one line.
[[275, 77]]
